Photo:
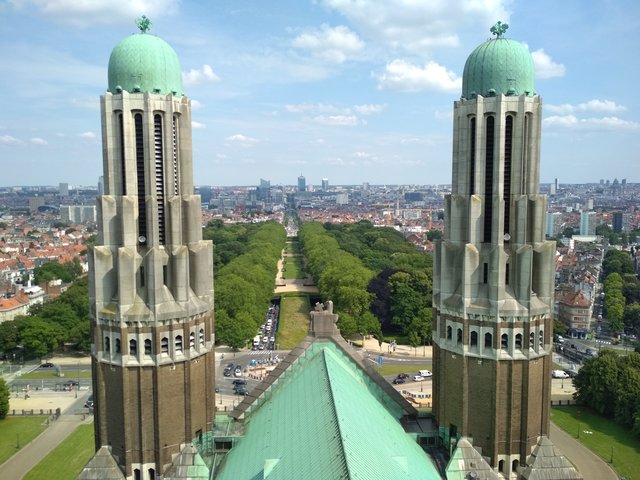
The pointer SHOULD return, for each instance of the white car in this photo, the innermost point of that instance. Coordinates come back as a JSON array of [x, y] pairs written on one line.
[[418, 378], [425, 373], [559, 374]]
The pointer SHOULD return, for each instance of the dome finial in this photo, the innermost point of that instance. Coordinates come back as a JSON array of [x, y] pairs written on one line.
[[498, 29], [144, 24]]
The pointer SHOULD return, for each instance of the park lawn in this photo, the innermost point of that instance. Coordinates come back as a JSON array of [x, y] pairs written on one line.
[[292, 247], [293, 268], [68, 459], [85, 372], [294, 321], [14, 430], [604, 436], [387, 370]]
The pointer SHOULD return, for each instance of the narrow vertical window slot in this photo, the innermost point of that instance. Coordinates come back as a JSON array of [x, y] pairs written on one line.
[[123, 163], [508, 141], [159, 164], [485, 273], [175, 156], [142, 211], [472, 157], [488, 179]]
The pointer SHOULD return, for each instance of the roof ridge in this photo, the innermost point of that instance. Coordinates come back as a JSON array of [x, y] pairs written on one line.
[[324, 353]]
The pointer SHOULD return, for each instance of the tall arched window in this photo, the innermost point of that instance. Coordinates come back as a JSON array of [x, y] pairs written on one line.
[[449, 332], [488, 178], [202, 336], [532, 341], [459, 337], [164, 345], [506, 192], [473, 339], [488, 340], [504, 341], [541, 339], [147, 346], [192, 340], [142, 210], [472, 156], [519, 341], [159, 160], [118, 346], [178, 343], [107, 344]]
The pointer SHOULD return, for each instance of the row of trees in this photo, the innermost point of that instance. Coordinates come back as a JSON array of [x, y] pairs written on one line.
[[50, 326], [622, 292], [246, 257], [610, 384], [378, 281]]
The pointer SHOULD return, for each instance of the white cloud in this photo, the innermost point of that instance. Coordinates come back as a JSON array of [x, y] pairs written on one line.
[[241, 140], [606, 106], [368, 109], [198, 76], [88, 13], [420, 25], [362, 155], [9, 140], [89, 135], [312, 108], [335, 45], [39, 141], [603, 123], [195, 104], [338, 120], [404, 76], [545, 66], [197, 125]]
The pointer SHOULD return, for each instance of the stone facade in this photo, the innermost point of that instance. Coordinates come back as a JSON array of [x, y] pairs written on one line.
[[151, 288], [493, 284]]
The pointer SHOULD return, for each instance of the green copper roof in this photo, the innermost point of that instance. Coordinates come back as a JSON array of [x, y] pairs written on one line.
[[145, 63], [325, 419], [499, 66]]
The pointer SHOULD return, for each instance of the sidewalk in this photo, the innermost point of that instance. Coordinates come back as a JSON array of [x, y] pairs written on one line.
[[31, 454]]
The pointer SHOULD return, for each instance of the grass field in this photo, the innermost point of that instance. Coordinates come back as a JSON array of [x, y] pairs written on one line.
[[67, 460], [602, 436], [396, 369], [293, 268], [18, 430], [292, 247], [294, 321], [85, 372]]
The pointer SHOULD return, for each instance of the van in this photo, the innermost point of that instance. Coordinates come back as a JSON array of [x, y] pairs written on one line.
[[256, 340], [425, 373], [560, 339]]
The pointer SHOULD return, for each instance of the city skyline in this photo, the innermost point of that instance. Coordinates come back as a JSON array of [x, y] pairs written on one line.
[[355, 92]]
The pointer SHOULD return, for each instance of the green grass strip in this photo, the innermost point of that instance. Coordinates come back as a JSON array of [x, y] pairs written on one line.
[[16, 432], [602, 436], [294, 321], [68, 459], [51, 373]]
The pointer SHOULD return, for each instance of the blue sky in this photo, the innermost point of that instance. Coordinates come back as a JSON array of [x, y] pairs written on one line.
[[352, 90]]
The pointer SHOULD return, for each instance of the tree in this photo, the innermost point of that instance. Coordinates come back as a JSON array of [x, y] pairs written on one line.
[[4, 399], [414, 341], [434, 235]]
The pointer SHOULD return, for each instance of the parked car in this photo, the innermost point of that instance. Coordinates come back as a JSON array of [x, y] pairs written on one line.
[[237, 372], [89, 402], [418, 378], [47, 365], [404, 376], [398, 380], [228, 370], [241, 390], [239, 381], [425, 373], [559, 374]]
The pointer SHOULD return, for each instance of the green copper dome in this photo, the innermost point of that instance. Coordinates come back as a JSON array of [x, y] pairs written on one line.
[[499, 66], [145, 63]]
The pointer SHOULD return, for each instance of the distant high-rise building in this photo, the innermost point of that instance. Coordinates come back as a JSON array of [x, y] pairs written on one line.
[[590, 204], [493, 285], [325, 184], [554, 223], [302, 184], [63, 189], [78, 213], [587, 223], [35, 203], [100, 185], [552, 189], [556, 185], [618, 224], [263, 192], [151, 275], [342, 198]]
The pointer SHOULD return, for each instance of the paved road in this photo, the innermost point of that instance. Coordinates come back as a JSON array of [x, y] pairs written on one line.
[[588, 463]]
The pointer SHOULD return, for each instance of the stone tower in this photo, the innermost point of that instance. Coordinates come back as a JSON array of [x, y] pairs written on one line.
[[494, 272], [151, 274]]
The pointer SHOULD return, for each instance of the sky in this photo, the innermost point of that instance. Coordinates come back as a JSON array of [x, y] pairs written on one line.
[[350, 90]]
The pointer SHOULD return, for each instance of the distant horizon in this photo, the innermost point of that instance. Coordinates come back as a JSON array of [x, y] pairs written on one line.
[[339, 89]]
